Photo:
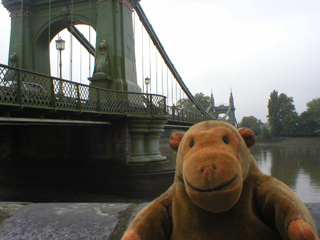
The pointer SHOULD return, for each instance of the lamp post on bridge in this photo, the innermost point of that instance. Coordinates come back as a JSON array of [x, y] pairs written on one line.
[[60, 46], [147, 82]]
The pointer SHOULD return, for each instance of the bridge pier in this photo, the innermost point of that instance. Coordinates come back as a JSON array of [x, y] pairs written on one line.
[[145, 134]]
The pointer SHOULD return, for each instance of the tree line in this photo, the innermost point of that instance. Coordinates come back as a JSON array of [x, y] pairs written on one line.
[[284, 120], [282, 116]]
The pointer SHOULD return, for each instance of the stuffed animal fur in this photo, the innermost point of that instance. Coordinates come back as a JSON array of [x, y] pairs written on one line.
[[220, 193]]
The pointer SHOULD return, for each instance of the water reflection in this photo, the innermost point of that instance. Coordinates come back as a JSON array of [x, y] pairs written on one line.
[[296, 164]]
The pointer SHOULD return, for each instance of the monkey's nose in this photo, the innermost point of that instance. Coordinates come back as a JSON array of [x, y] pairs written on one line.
[[210, 168]]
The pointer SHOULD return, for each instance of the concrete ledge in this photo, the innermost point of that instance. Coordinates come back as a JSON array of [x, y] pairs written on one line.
[[96, 221]]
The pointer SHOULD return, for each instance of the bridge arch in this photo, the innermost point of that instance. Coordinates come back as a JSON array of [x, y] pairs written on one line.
[[43, 39], [56, 25]]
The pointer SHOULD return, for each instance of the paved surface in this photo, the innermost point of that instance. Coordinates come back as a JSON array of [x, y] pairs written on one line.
[[90, 221]]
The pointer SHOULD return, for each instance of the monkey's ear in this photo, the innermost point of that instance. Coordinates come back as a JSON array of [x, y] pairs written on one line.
[[175, 140], [248, 136]]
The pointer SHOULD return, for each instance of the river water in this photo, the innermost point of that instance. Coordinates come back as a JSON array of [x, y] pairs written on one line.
[[295, 161]]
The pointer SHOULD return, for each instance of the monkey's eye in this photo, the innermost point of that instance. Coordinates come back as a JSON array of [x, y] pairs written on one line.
[[226, 140], [192, 143]]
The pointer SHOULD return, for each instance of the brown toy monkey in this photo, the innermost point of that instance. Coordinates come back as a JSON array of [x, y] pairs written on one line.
[[220, 193]]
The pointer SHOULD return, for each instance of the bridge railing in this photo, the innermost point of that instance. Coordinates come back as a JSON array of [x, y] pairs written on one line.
[[181, 115], [22, 88]]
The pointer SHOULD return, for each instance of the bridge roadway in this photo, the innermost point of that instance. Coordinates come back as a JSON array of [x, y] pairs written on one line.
[[76, 220]]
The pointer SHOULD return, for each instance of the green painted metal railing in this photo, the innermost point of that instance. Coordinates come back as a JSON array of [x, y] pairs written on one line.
[[25, 89], [28, 89], [177, 115]]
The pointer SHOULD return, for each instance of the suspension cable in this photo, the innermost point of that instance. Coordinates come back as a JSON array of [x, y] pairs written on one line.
[[157, 43], [150, 71], [162, 77], [80, 63], [156, 72], [142, 75], [171, 89], [176, 92], [180, 94], [58, 69], [71, 41], [49, 32], [89, 36], [167, 84], [22, 31]]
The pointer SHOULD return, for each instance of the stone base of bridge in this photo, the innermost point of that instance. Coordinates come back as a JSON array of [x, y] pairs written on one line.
[[145, 134], [63, 162]]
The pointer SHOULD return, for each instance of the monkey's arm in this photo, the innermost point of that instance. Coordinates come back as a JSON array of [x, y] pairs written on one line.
[[153, 222], [282, 209]]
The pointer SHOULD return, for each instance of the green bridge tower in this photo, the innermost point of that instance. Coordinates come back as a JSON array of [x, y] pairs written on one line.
[[35, 23], [228, 111]]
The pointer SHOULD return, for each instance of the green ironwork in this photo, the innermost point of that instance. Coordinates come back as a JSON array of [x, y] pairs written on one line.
[[228, 111], [35, 23], [25, 92], [115, 66], [177, 115], [25, 89]]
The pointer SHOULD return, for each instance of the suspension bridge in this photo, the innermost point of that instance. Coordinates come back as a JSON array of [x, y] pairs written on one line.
[[103, 134]]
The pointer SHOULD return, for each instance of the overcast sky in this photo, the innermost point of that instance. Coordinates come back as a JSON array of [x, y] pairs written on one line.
[[249, 46]]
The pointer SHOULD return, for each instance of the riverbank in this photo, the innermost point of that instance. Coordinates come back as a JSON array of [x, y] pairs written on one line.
[[81, 221], [290, 141], [164, 142]]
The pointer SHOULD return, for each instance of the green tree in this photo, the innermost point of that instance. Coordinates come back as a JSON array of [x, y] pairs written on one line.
[[266, 135], [273, 110], [186, 104], [313, 108], [310, 120], [288, 115], [282, 116], [305, 124], [253, 123]]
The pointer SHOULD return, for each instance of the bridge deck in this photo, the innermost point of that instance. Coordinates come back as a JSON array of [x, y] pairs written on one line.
[[26, 94]]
